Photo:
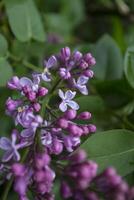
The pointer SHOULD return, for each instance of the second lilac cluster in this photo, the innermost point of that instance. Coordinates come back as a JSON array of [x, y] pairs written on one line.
[[82, 182]]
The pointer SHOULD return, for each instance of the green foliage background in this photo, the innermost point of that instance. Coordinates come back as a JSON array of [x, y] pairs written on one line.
[[31, 30]]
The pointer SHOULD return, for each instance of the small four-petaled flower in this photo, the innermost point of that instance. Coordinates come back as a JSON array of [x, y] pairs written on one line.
[[67, 100]]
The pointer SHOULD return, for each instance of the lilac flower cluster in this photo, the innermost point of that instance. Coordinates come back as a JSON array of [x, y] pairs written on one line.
[[81, 181], [49, 132], [75, 68], [41, 128], [38, 176], [43, 175]]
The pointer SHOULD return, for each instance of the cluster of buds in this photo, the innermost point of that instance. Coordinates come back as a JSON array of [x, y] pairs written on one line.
[[43, 176], [21, 180], [82, 182], [75, 68], [37, 175]]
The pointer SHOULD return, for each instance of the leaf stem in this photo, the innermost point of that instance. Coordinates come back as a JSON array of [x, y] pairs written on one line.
[[124, 120], [7, 189], [25, 63], [46, 100]]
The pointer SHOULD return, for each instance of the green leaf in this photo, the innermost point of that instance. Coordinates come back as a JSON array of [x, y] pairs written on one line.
[[25, 20], [5, 71], [3, 45], [74, 10], [115, 93], [91, 103], [109, 64], [129, 65], [58, 24], [112, 148], [96, 106], [129, 178]]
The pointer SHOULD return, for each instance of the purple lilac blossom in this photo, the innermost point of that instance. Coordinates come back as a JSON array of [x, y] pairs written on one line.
[[75, 66], [67, 100], [11, 148], [46, 75], [80, 84]]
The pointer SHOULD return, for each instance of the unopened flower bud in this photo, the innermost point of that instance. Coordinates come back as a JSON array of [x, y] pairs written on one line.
[[18, 169], [65, 190], [63, 123], [31, 96], [75, 130], [83, 64], [88, 73], [36, 107], [78, 157], [42, 91], [84, 115], [65, 53], [57, 147], [92, 128], [77, 56], [70, 114]]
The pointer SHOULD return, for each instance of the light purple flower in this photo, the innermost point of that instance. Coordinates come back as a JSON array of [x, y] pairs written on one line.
[[67, 100], [46, 75], [11, 147], [19, 84], [27, 119], [14, 83], [12, 105], [24, 81], [80, 84], [21, 114]]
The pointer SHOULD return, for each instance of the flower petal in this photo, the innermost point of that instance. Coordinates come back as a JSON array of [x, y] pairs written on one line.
[[46, 76], [14, 137], [73, 105], [82, 80], [36, 78], [63, 106], [7, 156], [69, 94], [83, 89], [51, 62], [27, 133], [23, 144], [16, 155], [47, 139], [61, 94], [5, 143], [24, 81]]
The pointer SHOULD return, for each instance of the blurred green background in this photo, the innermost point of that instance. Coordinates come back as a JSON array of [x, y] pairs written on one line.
[[31, 30]]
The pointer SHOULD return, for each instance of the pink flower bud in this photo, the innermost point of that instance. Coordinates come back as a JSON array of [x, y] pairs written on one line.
[[42, 91], [70, 114], [84, 115], [63, 123]]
